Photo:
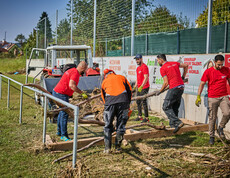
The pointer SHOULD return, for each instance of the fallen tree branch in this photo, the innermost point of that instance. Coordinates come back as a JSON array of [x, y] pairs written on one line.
[[68, 110], [162, 127]]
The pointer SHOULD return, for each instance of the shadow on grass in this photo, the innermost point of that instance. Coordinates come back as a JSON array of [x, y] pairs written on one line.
[[136, 150], [194, 138]]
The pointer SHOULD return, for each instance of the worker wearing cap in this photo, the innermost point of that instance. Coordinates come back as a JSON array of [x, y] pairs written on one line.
[[172, 77], [217, 77], [142, 84], [116, 95], [63, 90]]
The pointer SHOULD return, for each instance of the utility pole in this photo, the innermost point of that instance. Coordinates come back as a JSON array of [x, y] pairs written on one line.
[[5, 36]]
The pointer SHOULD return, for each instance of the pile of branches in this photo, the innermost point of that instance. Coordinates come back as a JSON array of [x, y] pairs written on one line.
[[94, 106]]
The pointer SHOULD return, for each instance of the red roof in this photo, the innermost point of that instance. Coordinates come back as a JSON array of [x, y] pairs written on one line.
[[3, 50]]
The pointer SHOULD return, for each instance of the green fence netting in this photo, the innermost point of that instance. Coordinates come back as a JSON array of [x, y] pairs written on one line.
[[189, 41], [162, 43]]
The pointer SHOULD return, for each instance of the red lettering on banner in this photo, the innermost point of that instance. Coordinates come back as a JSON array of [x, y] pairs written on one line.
[[189, 59], [197, 63], [114, 62], [193, 71], [132, 67], [115, 68], [189, 67], [131, 73]]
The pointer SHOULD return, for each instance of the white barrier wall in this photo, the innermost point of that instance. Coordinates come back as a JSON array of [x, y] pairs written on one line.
[[197, 65]]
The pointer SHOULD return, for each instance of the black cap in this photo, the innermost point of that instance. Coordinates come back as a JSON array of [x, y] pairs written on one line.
[[138, 56]]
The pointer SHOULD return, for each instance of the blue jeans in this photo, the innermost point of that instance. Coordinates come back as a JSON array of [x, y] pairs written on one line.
[[62, 116]]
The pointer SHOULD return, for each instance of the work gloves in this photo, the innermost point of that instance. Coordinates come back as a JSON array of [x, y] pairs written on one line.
[[84, 95], [140, 89], [198, 101]]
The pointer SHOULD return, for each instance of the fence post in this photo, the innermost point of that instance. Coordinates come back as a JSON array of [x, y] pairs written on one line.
[[146, 43], [226, 37], [209, 27], [106, 47], [21, 101], [123, 41], [132, 28], [76, 110], [8, 97], [44, 121], [178, 41], [0, 87]]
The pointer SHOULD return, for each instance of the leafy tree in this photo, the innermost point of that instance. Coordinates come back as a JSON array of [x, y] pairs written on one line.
[[31, 43], [161, 20], [41, 29], [220, 13], [20, 38], [63, 32]]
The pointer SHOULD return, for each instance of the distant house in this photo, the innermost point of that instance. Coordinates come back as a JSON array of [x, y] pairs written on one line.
[[10, 48]]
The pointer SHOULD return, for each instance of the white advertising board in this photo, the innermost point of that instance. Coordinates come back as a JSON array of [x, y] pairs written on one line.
[[127, 66]]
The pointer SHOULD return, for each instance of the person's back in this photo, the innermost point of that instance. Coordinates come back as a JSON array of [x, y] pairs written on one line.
[[63, 85], [116, 94], [115, 89], [171, 70]]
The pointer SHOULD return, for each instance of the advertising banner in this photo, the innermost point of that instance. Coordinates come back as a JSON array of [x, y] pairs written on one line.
[[127, 66]]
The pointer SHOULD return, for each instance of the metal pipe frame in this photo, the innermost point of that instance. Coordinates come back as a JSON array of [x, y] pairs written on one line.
[[46, 95]]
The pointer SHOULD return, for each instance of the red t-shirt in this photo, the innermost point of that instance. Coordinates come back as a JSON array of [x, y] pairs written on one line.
[[141, 71], [63, 85], [171, 70], [217, 80]]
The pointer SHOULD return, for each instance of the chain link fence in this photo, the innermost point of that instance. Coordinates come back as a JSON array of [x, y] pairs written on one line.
[[160, 26]]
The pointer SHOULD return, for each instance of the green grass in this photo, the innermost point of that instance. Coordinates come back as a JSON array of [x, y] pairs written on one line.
[[22, 153], [9, 64]]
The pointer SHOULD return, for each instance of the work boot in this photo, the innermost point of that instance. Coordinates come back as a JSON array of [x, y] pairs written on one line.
[[220, 132], [211, 140], [108, 142], [145, 120], [118, 140], [139, 119], [177, 128]]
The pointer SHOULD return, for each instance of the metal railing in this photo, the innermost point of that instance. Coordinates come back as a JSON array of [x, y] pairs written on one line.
[[75, 108]]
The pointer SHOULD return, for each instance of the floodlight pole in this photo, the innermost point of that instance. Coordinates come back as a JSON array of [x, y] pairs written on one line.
[[209, 27], [94, 27], [56, 25], [71, 31], [132, 28]]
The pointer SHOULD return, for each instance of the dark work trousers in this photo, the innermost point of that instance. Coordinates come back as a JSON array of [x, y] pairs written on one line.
[[120, 110], [171, 105], [143, 102]]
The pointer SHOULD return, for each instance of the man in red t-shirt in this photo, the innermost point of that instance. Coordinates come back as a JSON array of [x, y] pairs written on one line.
[[217, 77], [172, 77], [63, 90], [143, 87]]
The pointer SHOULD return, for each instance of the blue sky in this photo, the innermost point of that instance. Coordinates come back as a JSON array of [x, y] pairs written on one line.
[[21, 16]]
